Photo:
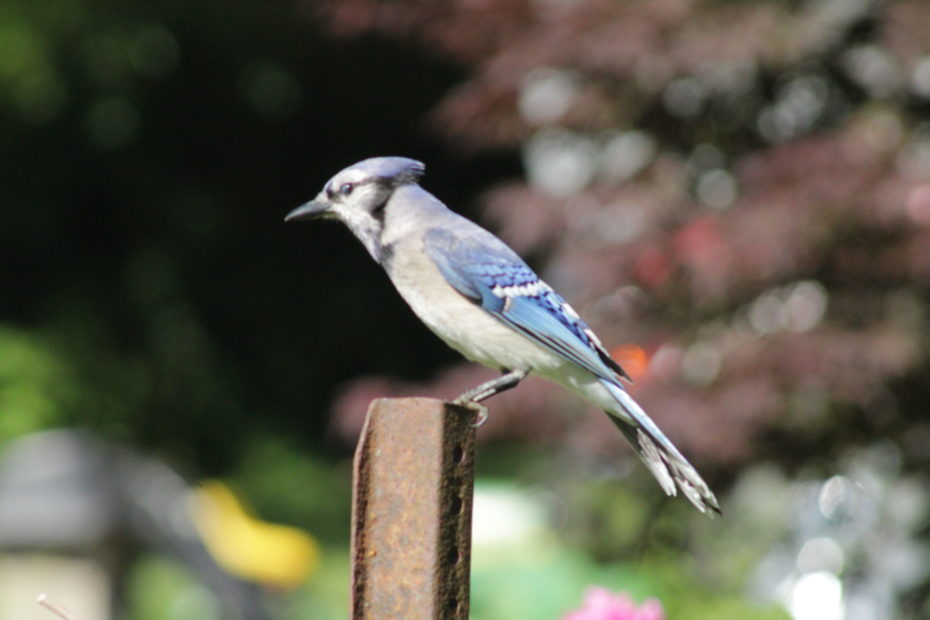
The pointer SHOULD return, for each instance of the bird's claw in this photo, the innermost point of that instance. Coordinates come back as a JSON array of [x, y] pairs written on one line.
[[480, 410]]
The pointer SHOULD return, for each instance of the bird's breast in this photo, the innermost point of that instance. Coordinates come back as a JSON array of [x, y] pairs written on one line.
[[460, 322]]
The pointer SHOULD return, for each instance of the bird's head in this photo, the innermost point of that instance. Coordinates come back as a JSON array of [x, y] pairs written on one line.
[[359, 195]]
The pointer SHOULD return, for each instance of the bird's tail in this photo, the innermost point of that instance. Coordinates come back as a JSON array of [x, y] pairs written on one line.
[[671, 469]]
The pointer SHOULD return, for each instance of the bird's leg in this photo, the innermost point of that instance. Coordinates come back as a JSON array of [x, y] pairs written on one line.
[[490, 388], [473, 397]]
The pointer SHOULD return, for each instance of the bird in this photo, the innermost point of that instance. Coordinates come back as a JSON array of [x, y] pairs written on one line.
[[477, 295]]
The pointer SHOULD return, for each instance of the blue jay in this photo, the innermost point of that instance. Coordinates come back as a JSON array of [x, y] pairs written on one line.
[[479, 297]]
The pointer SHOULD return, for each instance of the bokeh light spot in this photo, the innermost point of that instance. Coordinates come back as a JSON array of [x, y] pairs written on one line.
[[683, 97], [626, 154], [155, 51], [632, 358], [111, 123], [546, 94], [560, 163], [271, 90], [817, 596], [821, 554]]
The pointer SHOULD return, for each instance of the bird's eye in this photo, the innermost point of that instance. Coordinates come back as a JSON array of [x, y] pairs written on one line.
[[346, 188]]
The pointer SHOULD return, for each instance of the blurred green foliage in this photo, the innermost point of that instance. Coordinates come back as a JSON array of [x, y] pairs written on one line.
[[36, 385], [159, 589], [553, 582], [293, 486]]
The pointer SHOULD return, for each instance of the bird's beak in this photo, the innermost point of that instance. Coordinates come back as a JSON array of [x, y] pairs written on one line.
[[316, 208]]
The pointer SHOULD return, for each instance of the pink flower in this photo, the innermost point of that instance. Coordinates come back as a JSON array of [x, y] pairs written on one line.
[[602, 604]]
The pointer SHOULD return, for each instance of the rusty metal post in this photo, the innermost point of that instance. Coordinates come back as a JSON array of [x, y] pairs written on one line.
[[411, 511]]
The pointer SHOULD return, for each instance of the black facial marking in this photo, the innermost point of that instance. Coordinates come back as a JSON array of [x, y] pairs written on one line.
[[387, 255], [378, 211]]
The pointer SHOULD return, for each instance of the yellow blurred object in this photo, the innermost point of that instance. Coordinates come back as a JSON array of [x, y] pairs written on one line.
[[276, 555]]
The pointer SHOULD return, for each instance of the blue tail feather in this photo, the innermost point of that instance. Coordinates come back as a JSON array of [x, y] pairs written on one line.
[[660, 455]]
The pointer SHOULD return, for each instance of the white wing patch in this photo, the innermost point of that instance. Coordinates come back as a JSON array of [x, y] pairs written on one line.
[[588, 332], [534, 289], [530, 289]]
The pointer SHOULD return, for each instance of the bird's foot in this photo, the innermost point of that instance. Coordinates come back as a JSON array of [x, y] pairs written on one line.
[[480, 410]]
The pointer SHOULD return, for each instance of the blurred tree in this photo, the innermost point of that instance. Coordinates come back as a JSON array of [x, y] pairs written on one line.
[[149, 154], [741, 188], [34, 385]]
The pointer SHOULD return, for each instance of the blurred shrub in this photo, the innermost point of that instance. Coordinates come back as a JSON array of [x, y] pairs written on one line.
[[37, 388]]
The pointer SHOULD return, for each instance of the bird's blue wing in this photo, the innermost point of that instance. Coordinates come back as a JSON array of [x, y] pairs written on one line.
[[489, 273]]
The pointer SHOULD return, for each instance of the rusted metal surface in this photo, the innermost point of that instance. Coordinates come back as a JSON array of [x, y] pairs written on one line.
[[411, 512]]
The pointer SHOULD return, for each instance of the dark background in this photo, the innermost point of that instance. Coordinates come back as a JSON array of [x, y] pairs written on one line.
[[168, 249]]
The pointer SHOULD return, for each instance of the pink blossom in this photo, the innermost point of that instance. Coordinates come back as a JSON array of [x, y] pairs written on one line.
[[602, 604]]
